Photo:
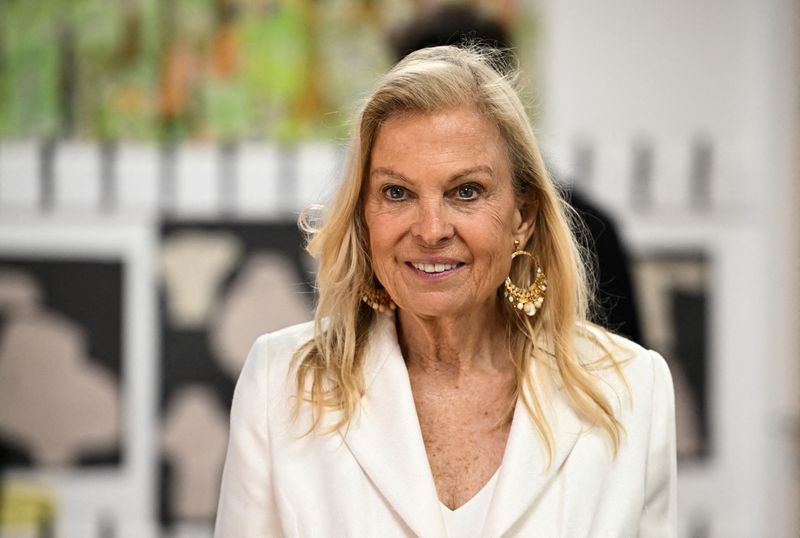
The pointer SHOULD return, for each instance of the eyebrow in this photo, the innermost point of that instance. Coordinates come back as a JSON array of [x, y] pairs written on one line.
[[475, 169], [382, 170]]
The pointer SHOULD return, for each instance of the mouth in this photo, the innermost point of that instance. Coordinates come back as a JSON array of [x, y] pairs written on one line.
[[435, 268]]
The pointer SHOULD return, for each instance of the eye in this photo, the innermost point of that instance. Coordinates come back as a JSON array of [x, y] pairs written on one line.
[[394, 192], [468, 191]]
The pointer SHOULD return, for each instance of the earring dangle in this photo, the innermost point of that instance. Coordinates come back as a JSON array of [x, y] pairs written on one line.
[[527, 299], [378, 300]]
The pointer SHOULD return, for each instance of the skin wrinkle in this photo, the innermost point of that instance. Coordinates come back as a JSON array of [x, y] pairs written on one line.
[[450, 330], [431, 222]]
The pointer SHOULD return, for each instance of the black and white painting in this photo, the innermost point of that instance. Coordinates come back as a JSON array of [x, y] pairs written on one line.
[[221, 286]]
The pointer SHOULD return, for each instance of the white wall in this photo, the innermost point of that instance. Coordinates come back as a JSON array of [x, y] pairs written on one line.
[[616, 70]]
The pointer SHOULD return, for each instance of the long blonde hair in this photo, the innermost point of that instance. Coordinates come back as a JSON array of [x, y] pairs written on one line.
[[330, 366]]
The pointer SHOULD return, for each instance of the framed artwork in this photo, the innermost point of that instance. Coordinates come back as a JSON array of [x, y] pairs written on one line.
[[221, 285], [672, 291], [76, 376]]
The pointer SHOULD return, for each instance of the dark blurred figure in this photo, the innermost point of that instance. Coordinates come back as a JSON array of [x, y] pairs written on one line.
[[450, 24], [615, 304], [615, 300]]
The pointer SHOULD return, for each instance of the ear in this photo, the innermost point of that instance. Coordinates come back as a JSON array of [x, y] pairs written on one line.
[[525, 221]]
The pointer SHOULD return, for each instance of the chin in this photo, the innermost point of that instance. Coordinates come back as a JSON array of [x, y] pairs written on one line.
[[438, 310]]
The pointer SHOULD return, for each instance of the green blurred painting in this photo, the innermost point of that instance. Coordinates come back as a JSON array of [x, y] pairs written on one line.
[[182, 70]]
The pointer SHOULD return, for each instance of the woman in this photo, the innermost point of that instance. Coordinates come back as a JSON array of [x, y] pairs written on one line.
[[443, 390]]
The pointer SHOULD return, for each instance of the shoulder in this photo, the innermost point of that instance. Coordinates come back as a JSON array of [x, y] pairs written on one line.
[[283, 343], [599, 348], [622, 364], [271, 356]]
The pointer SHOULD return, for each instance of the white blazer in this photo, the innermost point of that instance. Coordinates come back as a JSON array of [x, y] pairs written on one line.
[[373, 478]]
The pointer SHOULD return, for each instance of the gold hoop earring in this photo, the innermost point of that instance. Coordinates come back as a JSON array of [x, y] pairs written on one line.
[[528, 299], [378, 300]]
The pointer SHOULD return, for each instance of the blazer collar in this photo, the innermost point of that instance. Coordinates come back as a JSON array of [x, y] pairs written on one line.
[[386, 440], [385, 436], [524, 474]]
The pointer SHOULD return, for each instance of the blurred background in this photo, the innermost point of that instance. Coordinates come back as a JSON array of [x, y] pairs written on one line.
[[154, 156]]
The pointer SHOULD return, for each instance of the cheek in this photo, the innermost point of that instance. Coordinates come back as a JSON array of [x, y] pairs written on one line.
[[500, 265], [497, 227], [491, 243], [381, 233], [503, 240], [379, 251]]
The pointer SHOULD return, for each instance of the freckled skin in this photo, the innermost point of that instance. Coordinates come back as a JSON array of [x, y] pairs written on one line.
[[439, 187], [463, 430], [428, 151]]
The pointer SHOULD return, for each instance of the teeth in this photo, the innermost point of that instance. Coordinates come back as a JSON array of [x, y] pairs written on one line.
[[434, 268]]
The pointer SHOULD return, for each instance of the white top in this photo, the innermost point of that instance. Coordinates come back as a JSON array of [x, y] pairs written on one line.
[[373, 478], [467, 520]]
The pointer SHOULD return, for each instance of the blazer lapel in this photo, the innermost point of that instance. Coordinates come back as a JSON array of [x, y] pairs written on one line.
[[385, 437], [524, 475]]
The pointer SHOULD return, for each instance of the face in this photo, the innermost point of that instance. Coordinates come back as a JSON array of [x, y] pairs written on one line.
[[441, 212]]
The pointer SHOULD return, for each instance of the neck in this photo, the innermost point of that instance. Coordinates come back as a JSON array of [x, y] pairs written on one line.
[[454, 345]]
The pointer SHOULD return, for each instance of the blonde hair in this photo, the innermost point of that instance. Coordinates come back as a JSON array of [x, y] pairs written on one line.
[[330, 366]]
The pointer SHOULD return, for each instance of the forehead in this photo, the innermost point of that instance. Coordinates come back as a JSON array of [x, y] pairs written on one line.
[[462, 121], [454, 135]]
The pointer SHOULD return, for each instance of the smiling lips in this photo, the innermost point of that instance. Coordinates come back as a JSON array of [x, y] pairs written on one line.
[[435, 267]]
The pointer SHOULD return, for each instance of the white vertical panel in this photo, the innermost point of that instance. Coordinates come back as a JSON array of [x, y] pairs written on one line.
[[76, 169], [197, 181], [19, 175], [613, 169], [136, 173], [317, 173], [734, 169], [671, 175], [257, 188]]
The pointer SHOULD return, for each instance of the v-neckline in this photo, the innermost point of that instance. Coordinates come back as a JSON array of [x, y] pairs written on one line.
[[486, 490], [387, 430]]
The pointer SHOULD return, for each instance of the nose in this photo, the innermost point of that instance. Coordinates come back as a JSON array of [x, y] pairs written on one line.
[[432, 227]]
